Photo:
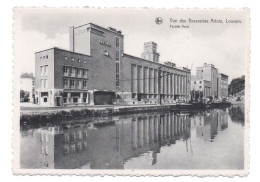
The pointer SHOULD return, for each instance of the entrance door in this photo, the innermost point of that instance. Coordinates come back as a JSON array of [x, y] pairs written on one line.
[[58, 101]]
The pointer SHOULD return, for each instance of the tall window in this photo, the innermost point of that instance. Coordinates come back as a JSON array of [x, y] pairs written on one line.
[[79, 84], [117, 67], [117, 42], [84, 84], [66, 83], [72, 83], [117, 55], [73, 72], [42, 70], [78, 72], [46, 84], [85, 73], [46, 70]]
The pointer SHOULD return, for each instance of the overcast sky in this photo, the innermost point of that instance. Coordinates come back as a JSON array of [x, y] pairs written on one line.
[[224, 45]]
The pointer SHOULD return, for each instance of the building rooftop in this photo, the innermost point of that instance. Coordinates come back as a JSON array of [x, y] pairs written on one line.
[[63, 50], [159, 64], [118, 32]]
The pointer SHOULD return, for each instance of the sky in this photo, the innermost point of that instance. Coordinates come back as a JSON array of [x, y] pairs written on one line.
[[223, 44]]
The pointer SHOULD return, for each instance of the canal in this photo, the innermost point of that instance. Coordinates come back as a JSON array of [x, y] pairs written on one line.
[[211, 139]]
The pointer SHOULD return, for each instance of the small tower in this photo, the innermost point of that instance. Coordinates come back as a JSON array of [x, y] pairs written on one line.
[[150, 52]]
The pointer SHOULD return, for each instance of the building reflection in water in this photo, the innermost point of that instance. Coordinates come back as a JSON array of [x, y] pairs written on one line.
[[98, 145], [209, 123]]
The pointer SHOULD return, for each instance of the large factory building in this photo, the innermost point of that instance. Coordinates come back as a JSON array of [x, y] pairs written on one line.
[[96, 71]]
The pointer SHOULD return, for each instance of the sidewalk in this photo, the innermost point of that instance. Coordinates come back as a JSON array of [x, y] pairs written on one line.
[[31, 108]]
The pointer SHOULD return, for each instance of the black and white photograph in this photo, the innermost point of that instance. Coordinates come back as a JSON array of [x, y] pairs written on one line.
[[131, 91]]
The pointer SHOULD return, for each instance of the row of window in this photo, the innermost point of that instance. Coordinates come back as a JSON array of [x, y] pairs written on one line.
[[45, 150], [71, 83], [80, 147], [44, 57], [73, 136], [44, 137], [117, 62], [73, 59], [44, 70], [199, 82], [75, 72]]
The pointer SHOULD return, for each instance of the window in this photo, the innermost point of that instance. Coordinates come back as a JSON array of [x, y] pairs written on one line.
[[79, 60], [46, 70], [43, 57], [42, 83], [73, 72], [65, 70], [46, 84], [79, 85], [117, 55], [66, 149], [85, 74], [66, 58], [72, 83], [47, 57], [194, 82], [117, 42], [40, 58], [200, 86], [117, 80], [72, 59], [85, 61], [117, 67], [200, 81], [66, 83], [73, 148], [84, 84], [75, 100], [79, 72], [45, 99], [42, 70]]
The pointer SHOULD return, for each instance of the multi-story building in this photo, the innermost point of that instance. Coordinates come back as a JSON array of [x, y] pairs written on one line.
[[210, 82], [223, 85], [97, 71], [209, 73]]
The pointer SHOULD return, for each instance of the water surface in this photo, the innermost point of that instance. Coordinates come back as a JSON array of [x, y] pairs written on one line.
[[212, 139]]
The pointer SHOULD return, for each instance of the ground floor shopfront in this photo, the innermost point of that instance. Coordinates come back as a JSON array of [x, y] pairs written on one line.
[[62, 97]]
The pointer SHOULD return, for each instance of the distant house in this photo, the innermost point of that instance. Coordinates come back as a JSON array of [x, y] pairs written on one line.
[[27, 86]]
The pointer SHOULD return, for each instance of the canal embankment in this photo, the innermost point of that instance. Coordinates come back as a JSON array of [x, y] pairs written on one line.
[[39, 114]]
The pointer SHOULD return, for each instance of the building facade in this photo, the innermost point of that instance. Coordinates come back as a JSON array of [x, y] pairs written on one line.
[[210, 82], [200, 88], [97, 71], [223, 85]]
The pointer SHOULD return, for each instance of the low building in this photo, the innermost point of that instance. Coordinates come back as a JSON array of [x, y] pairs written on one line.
[[200, 88], [27, 86], [96, 70]]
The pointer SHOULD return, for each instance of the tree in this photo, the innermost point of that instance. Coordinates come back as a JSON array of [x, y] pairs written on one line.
[[236, 85]]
